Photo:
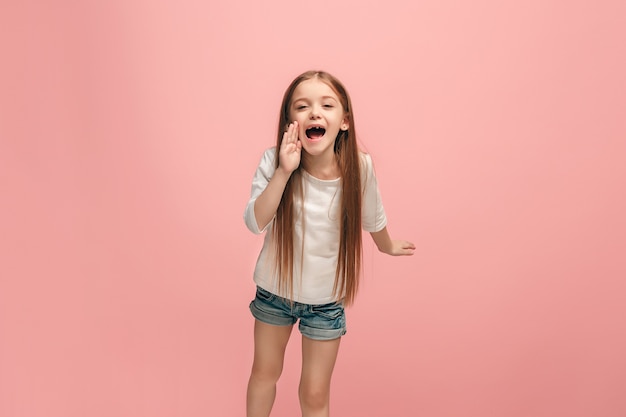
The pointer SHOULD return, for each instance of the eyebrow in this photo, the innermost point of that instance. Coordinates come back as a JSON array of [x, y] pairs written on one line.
[[323, 98]]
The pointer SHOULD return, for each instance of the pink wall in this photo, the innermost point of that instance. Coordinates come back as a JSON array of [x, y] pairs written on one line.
[[129, 132]]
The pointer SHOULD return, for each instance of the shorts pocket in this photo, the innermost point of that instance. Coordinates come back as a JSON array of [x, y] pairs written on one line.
[[264, 295], [329, 311]]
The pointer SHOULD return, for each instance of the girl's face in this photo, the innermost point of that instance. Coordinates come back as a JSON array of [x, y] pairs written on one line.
[[320, 116]]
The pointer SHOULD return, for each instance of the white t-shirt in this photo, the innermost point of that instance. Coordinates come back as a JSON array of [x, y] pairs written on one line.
[[318, 254]]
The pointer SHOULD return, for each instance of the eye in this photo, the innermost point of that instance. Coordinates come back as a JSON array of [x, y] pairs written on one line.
[[301, 107], [328, 106]]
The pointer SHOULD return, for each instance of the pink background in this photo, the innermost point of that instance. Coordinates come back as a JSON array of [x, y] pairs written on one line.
[[130, 131]]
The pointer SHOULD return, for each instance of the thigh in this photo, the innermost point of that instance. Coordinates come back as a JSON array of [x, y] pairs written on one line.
[[318, 362], [270, 342]]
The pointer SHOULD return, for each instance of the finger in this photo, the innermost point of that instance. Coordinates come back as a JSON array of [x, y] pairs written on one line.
[[285, 140], [283, 143], [290, 132], [406, 248], [287, 136], [295, 131], [407, 252]]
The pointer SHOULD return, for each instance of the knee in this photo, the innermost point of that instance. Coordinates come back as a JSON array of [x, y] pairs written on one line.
[[313, 398], [266, 374]]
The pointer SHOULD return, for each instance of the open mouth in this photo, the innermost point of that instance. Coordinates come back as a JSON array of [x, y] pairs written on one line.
[[315, 132]]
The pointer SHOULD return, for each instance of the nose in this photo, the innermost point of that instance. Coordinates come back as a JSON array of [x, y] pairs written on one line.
[[315, 112]]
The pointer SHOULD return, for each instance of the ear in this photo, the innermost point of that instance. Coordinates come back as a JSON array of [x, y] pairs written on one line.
[[345, 124]]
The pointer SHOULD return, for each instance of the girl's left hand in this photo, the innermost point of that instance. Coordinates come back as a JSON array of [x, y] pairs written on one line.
[[392, 247], [401, 248]]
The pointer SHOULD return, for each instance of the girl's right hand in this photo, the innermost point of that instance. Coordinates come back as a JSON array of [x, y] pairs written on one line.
[[290, 149]]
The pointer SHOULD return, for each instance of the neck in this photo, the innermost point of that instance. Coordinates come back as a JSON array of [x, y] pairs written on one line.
[[324, 167]]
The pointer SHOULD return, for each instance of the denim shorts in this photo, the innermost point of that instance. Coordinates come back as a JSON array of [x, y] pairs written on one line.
[[318, 322]]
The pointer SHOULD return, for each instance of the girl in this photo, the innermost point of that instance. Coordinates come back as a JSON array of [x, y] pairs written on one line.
[[313, 193]]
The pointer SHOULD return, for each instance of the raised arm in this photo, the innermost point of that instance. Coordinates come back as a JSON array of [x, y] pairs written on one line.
[[267, 203], [392, 247]]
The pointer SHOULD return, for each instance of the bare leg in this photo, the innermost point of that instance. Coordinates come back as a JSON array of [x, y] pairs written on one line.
[[318, 362], [269, 353]]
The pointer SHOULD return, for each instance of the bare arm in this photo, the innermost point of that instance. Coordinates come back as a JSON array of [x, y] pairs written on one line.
[[392, 247], [267, 203]]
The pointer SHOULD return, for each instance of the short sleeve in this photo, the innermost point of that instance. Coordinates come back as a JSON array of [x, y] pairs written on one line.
[[262, 176], [373, 214]]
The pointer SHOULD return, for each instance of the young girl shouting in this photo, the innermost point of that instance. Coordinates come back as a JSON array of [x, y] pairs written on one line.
[[313, 193]]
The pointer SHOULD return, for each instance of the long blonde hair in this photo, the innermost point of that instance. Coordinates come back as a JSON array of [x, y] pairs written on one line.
[[350, 238]]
